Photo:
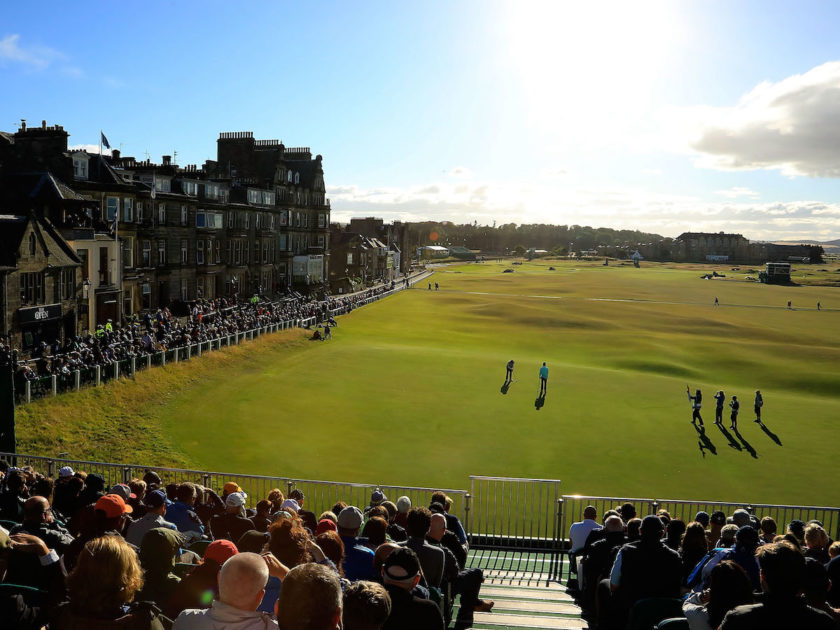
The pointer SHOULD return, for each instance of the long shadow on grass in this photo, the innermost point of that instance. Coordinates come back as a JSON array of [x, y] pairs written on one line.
[[732, 441], [539, 402], [770, 434], [703, 441], [747, 446]]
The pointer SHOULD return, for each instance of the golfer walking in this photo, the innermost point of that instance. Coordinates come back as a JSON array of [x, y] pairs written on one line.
[[543, 379], [509, 374]]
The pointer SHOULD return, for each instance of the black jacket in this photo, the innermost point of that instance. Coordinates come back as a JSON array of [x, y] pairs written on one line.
[[777, 614], [411, 613]]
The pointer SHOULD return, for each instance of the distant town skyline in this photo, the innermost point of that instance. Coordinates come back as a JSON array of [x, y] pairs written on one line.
[[661, 116]]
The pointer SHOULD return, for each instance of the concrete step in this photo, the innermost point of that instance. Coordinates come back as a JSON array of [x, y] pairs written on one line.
[[506, 620], [489, 591]]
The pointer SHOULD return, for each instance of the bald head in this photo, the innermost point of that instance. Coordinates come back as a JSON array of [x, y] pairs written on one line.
[[34, 509], [438, 527], [242, 581], [614, 524]]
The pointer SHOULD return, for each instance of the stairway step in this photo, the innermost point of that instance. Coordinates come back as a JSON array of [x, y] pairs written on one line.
[[519, 605], [489, 591], [494, 620]]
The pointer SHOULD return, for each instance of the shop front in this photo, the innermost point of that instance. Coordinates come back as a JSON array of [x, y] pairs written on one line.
[[39, 323]]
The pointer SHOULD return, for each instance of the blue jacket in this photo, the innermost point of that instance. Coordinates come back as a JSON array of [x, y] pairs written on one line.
[[358, 560], [182, 516]]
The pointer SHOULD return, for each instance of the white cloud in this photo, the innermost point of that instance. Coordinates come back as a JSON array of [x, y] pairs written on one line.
[[791, 125], [461, 171], [737, 191], [31, 56], [90, 148], [621, 208]]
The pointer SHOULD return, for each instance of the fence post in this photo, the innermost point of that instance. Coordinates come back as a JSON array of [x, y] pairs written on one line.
[[77, 380], [98, 375], [126, 474], [50, 468], [148, 361], [205, 480], [189, 351], [467, 507], [176, 354], [290, 485], [558, 540], [116, 370], [28, 391], [54, 384], [133, 366], [198, 345], [163, 358]]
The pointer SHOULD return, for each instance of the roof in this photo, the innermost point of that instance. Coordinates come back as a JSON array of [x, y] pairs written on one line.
[[435, 248], [12, 228], [308, 169]]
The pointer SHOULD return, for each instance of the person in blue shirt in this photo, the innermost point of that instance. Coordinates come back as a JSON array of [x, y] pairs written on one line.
[[543, 379], [181, 513], [358, 559]]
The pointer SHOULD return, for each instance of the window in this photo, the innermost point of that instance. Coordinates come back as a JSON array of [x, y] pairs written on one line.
[[289, 176], [139, 211], [80, 165], [161, 252], [257, 220], [272, 222], [67, 284], [146, 291], [127, 214], [211, 220], [297, 219], [305, 219], [265, 252], [268, 198], [199, 252], [231, 216], [32, 244], [161, 214], [247, 220], [128, 251], [322, 220], [297, 181], [211, 191], [146, 256], [237, 252], [199, 288], [112, 206], [256, 252], [183, 215], [284, 217], [253, 196], [83, 256], [320, 240], [218, 248], [32, 288], [184, 293], [190, 188], [185, 249]]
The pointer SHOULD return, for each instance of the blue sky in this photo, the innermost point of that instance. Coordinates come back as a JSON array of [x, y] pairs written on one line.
[[663, 116]]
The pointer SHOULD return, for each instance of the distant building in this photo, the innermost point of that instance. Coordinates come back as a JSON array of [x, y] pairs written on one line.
[[456, 251], [719, 247], [432, 251]]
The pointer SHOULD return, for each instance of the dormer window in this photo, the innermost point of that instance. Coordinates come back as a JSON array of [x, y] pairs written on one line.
[[297, 178], [32, 244], [80, 167], [289, 176]]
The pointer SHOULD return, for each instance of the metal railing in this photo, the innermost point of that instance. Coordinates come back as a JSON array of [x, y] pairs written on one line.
[[514, 527], [572, 507]]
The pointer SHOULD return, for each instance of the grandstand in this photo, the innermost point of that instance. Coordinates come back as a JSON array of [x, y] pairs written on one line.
[[516, 529]]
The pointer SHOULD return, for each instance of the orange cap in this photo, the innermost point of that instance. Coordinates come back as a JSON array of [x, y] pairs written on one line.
[[113, 506], [231, 487]]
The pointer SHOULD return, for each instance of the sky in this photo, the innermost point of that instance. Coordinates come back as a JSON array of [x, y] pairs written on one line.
[[666, 116]]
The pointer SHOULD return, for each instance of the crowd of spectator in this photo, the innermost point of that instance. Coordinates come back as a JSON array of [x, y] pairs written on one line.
[[78, 555], [717, 572], [154, 332]]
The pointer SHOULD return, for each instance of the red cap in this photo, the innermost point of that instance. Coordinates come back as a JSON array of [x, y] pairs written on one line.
[[325, 525], [113, 506], [220, 550]]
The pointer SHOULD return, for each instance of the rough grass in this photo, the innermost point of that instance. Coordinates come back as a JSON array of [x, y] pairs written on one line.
[[408, 392]]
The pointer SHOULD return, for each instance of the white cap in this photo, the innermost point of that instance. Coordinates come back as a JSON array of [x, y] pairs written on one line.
[[290, 504], [236, 499], [65, 471]]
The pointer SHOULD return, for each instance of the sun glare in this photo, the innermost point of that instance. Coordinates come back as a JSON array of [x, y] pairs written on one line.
[[586, 69]]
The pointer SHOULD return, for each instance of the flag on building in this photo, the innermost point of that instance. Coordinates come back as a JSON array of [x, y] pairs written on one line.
[[104, 140], [115, 224]]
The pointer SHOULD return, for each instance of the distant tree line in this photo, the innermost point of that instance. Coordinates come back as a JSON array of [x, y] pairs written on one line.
[[558, 239]]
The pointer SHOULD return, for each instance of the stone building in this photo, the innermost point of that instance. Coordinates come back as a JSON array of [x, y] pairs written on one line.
[[148, 235], [38, 281]]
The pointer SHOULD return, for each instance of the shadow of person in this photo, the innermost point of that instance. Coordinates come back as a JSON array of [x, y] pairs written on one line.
[[703, 441], [747, 446], [539, 402], [733, 443], [506, 387], [770, 434]]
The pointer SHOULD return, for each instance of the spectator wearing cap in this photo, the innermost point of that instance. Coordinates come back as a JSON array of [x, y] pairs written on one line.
[[233, 523], [229, 488], [155, 503], [326, 525], [452, 523], [181, 512], [200, 586], [94, 489], [727, 536], [310, 599], [242, 580], [376, 498], [742, 553], [308, 518], [400, 574], [358, 559], [152, 480], [403, 506], [431, 558], [645, 568], [367, 606], [110, 514], [158, 552], [782, 569], [702, 518], [716, 522], [741, 517], [66, 491]]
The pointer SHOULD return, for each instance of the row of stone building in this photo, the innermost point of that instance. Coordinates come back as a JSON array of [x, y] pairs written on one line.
[[89, 237], [720, 247]]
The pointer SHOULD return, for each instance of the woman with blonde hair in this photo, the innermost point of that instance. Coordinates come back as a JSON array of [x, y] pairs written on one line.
[[101, 589]]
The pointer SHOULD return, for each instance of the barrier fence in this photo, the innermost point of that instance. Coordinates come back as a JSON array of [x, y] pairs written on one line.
[[572, 507], [93, 376]]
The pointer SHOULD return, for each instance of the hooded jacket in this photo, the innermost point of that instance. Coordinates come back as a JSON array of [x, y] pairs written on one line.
[[157, 557]]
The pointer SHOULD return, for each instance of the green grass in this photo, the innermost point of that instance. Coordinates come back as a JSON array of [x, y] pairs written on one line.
[[408, 391]]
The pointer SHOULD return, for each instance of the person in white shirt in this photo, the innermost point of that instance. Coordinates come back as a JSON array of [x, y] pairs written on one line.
[[579, 532]]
